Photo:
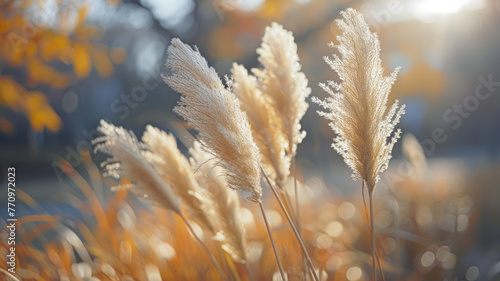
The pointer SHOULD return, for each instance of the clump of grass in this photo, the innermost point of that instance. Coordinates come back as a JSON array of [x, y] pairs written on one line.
[[275, 102], [121, 239], [357, 107], [147, 172], [224, 129]]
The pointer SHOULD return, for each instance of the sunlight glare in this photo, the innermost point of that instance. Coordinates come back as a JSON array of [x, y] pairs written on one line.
[[442, 6]]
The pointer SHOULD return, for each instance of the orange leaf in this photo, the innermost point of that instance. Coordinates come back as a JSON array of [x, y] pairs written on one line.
[[40, 114], [8, 94], [102, 63], [82, 15], [81, 62]]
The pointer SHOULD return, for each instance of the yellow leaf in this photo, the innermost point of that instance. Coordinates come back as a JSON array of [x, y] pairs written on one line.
[[8, 94], [35, 101], [37, 121], [102, 63], [40, 114], [53, 122], [82, 14], [81, 62]]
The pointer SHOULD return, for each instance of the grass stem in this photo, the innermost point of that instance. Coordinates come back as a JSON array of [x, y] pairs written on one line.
[[297, 214], [315, 275], [283, 277], [211, 256], [374, 268]]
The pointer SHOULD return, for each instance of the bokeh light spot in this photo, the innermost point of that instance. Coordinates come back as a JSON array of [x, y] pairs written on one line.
[[428, 259], [346, 210], [354, 273], [334, 228], [472, 273]]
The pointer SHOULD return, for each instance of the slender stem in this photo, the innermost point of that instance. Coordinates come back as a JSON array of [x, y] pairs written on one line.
[[295, 219], [225, 263], [212, 258], [232, 266], [315, 275], [297, 214], [371, 229], [249, 271], [374, 269], [283, 277]]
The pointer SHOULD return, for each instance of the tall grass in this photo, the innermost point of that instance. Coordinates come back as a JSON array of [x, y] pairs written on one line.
[[357, 107]]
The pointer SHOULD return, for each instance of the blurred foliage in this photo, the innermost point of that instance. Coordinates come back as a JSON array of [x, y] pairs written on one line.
[[38, 39], [421, 76], [424, 221]]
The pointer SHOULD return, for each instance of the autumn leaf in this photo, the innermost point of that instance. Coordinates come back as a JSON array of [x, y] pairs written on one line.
[[81, 62], [40, 114], [82, 14], [102, 63], [8, 94], [38, 50]]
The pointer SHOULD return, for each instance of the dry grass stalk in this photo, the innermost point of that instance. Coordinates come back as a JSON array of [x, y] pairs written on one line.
[[265, 123], [230, 231], [175, 169], [286, 90], [357, 107], [128, 160], [215, 112], [282, 80]]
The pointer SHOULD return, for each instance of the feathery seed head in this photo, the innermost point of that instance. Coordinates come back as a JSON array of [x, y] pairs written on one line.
[[215, 112], [128, 160], [230, 231], [357, 107], [175, 169], [282, 80], [266, 126]]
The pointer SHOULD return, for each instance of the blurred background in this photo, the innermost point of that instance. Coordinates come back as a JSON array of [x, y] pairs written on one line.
[[65, 65]]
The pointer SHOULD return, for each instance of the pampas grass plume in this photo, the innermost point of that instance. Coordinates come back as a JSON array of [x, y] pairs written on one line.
[[282, 80], [176, 170], [357, 107], [266, 128], [230, 231], [128, 160], [215, 112]]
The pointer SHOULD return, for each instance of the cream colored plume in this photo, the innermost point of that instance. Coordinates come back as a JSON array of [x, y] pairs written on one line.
[[266, 126], [215, 112], [282, 80], [230, 230], [357, 107], [128, 160], [175, 169]]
